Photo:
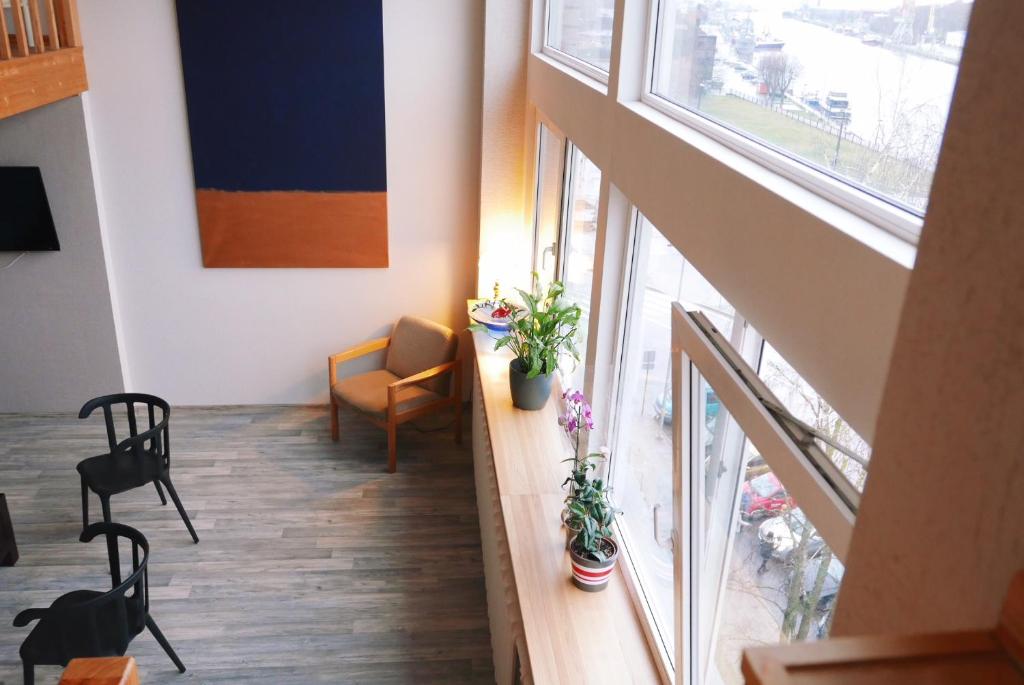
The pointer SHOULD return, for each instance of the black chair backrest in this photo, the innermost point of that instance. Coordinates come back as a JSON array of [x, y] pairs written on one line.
[[157, 435], [107, 623]]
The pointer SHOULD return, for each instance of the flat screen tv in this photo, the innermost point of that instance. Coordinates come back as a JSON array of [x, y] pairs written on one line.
[[26, 224]]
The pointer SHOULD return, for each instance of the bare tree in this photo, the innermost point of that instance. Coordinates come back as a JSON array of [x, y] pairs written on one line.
[[803, 601], [778, 71]]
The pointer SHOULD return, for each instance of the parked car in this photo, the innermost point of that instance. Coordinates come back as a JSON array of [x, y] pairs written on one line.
[[785, 532], [830, 586], [764, 496]]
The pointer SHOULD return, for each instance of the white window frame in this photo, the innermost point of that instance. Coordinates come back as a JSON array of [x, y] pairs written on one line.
[[698, 349], [902, 222], [566, 152], [571, 61]]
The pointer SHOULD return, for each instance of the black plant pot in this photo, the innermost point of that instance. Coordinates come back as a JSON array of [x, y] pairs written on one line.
[[528, 393]]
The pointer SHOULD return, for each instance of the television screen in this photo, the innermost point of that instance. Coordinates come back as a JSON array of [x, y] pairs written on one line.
[[25, 220]]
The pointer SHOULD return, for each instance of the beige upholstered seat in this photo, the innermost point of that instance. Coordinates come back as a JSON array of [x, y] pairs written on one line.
[[368, 392], [414, 382]]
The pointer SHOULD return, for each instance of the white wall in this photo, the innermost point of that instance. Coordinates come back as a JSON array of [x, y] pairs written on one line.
[[212, 336], [57, 342]]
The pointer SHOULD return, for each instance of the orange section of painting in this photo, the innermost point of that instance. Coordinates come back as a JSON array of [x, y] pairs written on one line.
[[293, 229]]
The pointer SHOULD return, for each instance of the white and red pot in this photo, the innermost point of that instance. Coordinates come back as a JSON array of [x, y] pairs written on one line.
[[589, 575]]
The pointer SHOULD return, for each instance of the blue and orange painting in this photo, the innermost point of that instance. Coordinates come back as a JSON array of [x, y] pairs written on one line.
[[286, 118]]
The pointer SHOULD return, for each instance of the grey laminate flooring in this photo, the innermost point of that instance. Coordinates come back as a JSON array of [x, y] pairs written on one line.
[[314, 565]]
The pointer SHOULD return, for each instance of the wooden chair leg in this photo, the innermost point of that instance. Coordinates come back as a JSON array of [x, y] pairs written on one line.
[[160, 491], [392, 447], [334, 419], [458, 421], [457, 396]]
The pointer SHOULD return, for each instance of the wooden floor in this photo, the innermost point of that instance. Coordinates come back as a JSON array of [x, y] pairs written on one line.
[[314, 565]]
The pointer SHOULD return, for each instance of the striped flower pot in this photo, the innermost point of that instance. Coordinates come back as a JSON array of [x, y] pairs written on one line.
[[589, 575]]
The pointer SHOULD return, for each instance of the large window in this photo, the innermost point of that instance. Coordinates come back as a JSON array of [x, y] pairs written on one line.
[[548, 203], [579, 32], [583, 192], [721, 526], [642, 454], [757, 520], [857, 90], [567, 198]]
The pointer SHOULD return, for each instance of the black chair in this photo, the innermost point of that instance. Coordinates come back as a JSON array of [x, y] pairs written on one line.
[[89, 623], [131, 463]]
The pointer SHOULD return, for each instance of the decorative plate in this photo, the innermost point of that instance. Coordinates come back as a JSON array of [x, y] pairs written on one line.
[[484, 314]]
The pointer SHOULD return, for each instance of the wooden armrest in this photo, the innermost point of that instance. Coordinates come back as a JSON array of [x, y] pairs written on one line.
[[424, 375], [354, 353]]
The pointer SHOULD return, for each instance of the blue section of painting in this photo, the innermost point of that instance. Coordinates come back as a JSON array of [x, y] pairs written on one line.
[[285, 95]]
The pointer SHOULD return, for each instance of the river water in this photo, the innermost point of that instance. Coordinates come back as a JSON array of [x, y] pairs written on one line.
[[881, 83]]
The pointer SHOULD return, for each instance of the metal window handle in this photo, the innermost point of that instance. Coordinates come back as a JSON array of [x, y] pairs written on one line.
[[662, 542], [550, 250]]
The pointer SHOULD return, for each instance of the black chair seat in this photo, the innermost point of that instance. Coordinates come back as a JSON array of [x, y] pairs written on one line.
[[140, 459], [110, 474], [87, 623], [43, 646]]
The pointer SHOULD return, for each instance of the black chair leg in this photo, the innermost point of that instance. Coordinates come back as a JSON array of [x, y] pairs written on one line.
[[29, 672], [151, 624], [85, 504], [105, 502], [181, 510], [160, 491]]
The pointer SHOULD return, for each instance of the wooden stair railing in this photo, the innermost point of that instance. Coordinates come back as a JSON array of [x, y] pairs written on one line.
[[980, 657], [41, 58], [107, 670]]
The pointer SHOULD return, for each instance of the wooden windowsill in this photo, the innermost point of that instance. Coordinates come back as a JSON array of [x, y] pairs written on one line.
[[571, 636]]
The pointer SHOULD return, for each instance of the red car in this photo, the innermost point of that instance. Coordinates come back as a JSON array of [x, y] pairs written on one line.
[[764, 496]]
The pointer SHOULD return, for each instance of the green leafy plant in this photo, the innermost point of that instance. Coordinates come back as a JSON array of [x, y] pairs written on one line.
[[542, 329], [595, 536]]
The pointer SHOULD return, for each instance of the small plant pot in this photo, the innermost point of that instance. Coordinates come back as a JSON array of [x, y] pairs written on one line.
[[589, 575], [528, 393]]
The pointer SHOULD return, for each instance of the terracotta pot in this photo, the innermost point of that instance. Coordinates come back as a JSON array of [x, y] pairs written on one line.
[[528, 393], [589, 575]]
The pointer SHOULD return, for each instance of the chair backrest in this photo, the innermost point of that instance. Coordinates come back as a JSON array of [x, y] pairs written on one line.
[[419, 344], [106, 624], [157, 434]]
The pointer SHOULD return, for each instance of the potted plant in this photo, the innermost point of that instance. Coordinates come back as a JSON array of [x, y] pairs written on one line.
[[593, 552], [578, 417], [539, 331]]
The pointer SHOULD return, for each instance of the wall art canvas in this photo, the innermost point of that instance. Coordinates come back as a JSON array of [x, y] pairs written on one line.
[[286, 120]]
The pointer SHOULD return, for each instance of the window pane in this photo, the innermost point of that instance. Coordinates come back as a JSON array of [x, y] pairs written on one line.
[[782, 579], [860, 90], [578, 263], [583, 29], [807, 405], [642, 455], [550, 158]]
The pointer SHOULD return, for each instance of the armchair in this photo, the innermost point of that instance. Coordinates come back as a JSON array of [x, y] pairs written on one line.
[[414, 381]]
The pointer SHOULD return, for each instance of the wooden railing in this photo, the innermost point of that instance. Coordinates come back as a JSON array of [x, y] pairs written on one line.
[[41, 57]]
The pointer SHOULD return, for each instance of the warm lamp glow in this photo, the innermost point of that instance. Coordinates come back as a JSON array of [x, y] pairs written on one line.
[[505, 243]]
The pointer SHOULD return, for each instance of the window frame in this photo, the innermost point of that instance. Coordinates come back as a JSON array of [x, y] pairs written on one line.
[[903, 222], [565, 150], [571, 61], [697, 352]]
